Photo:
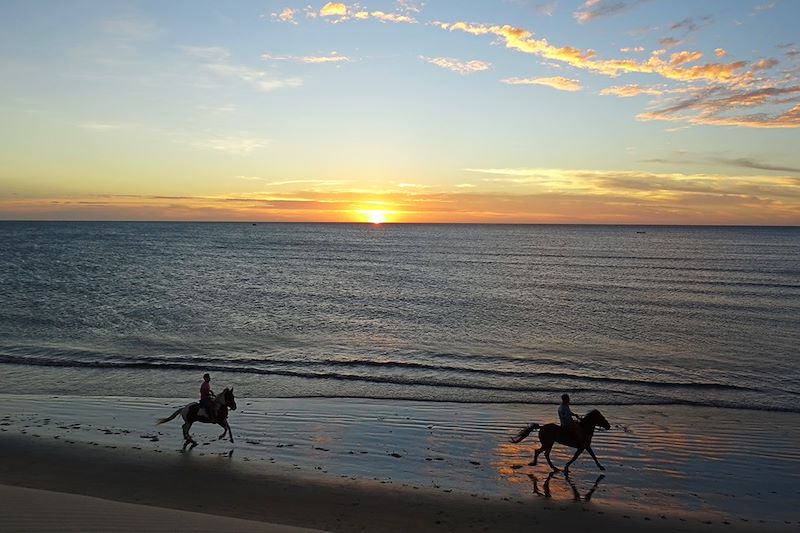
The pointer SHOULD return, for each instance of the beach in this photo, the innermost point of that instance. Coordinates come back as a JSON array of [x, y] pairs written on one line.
[[350, 465]]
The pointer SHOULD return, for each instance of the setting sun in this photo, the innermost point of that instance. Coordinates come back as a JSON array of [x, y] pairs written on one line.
[[376, 217]]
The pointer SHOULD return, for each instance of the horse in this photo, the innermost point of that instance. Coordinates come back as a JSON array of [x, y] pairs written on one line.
[[549, 434], [221, 403]]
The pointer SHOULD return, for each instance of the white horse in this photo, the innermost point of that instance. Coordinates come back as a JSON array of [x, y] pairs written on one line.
[[190, 414]]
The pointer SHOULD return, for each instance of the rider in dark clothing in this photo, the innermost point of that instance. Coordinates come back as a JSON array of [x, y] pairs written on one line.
[[206, 395]]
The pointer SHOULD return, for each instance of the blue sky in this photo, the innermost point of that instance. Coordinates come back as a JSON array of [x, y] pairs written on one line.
[[504, 111]]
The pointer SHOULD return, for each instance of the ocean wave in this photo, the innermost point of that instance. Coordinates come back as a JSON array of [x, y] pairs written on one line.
[[305, 369]]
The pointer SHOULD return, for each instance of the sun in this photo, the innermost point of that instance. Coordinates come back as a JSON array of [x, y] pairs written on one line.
[[376, 217]]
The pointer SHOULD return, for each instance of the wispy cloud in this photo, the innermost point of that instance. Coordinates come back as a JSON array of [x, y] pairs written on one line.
[[461, 67], [556, 82], [233, 145], [333, 57], [626, 91], [757, 165], [287, 15], [684, 158], [723, 106], [216, 60], [102, 126], [593, 9]]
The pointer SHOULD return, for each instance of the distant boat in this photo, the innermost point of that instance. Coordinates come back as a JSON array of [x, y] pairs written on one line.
[[636, 232]]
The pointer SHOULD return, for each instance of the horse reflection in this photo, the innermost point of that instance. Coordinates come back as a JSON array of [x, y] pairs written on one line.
[[576, 495]]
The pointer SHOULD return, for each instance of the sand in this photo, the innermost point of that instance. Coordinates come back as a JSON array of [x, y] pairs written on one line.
[[269, 495], [34, 511], [383, 465]]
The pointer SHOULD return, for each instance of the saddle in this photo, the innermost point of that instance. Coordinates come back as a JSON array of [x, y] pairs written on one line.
[[207, 413]]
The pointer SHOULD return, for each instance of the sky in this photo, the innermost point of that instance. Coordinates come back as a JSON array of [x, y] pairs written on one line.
[[502, 111]]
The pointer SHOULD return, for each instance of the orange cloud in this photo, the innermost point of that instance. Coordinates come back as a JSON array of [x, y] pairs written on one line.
[[503, 195], [556, 82], [626, 91]]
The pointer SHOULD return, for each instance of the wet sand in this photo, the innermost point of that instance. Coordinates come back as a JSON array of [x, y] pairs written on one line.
[[347, 465]]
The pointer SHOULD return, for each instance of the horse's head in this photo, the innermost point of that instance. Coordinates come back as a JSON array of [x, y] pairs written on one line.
[[229, 399], [597, 419]]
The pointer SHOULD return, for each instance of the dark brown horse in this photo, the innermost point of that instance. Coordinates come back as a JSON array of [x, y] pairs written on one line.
[[549, 434], [190, 413]]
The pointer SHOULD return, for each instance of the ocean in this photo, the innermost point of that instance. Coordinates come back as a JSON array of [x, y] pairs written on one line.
[[613, 315]]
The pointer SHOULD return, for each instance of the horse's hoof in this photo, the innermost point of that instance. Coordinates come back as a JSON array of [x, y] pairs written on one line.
[[532, 463], [603, 468]]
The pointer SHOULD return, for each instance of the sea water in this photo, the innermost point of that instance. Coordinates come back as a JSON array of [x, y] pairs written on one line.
[[459, 313]]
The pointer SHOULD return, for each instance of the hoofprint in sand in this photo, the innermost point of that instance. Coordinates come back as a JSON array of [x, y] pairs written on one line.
[[667, 462]]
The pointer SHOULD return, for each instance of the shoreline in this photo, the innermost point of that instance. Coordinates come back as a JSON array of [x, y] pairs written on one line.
[[683, 463]]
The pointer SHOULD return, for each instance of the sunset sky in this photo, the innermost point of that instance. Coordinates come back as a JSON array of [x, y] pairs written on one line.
[[560, 111]]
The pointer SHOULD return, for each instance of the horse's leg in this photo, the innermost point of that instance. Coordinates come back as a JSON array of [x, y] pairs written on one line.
[[186, 436], [536, 453], [577, 453], [228, 429], [547, 456], [591, 452], [225, 427]]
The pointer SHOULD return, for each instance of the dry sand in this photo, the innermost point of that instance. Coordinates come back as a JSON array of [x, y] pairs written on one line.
[[34, 510], [267, 495]]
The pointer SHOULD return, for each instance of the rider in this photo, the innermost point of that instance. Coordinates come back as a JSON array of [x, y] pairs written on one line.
[[565, 416], [206, 395]]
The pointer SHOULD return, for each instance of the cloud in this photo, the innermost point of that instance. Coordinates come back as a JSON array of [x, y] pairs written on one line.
[[735, 83], [461, 67], [333, 9], [669, 42], [719, 52], [626, 91], [409, 6], [646, 185], [233, 145], [547, 8], [718, 105], [340, 12], [556, 82], [287, 14], [692, 24], [333, 57], [215, 60], [757, 165], [681, 58], [524, 195], [392, 17], [764, 64], [101, 126], [637, 49], [740, 162], [523, 41], [593, 9]]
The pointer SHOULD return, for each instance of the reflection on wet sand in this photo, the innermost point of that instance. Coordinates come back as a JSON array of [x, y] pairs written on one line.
[[576, 494]]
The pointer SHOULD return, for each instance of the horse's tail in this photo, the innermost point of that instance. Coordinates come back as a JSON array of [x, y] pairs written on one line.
[[523, 433], [173, 415]]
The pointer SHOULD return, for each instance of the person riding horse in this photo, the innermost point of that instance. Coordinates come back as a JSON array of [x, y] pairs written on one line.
[[568, 425], [206, 395]]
